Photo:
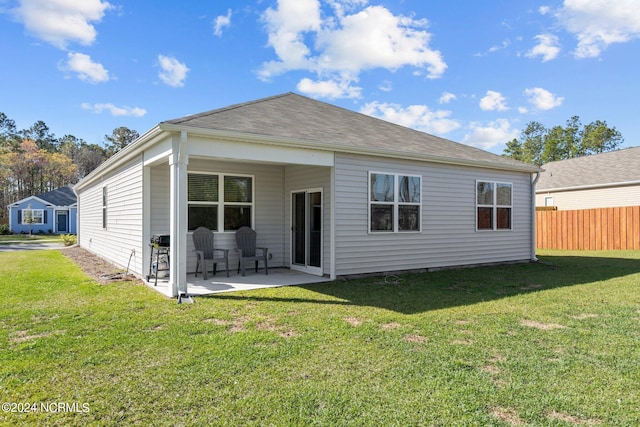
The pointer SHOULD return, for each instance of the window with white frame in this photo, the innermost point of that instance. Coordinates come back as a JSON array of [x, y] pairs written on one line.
[[219, 202], [104, 207], [33, 216], [395, 202], [494, 205], [548, 201]]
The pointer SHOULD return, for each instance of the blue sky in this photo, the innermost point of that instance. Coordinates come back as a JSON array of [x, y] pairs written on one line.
[[472, 71]]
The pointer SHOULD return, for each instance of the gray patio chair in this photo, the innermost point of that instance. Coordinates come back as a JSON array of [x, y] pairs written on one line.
[[246, 246], [205, 251]]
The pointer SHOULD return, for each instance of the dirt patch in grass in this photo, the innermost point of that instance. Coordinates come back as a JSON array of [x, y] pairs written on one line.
[[461, 342], [494, 371], [391, 325], [583, 316], [507, 415], [542, 326], [497, 358], [288, 334], [95, 267], [490, 369], [570, 419], [353, 321], [22, 336], [416, 338], [217, 322]]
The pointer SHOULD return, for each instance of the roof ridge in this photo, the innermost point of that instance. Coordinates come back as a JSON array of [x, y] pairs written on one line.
[[591, 156], [227, 108]]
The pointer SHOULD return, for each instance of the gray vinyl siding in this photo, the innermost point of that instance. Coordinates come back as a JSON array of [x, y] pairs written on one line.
[[303, 178], [610, 197], [269, 209], [448, 237], [121, 240], [160, 184]]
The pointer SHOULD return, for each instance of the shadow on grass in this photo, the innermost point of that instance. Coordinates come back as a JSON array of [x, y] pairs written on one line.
[[421, 292]]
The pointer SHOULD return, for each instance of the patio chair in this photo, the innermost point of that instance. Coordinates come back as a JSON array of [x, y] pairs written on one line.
[[205, 251], [246, 246]]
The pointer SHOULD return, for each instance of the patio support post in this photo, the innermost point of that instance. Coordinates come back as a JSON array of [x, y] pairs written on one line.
[[178, 162]]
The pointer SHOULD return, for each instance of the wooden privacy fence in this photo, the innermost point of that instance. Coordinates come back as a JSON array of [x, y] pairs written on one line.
[[589, 229]]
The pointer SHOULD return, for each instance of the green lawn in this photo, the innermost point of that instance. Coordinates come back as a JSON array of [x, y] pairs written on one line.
[[554, 344], [25, 238]]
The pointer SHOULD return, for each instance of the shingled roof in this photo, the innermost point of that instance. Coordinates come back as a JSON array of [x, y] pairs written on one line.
[[63, 196], [613, 167], [314, 123]]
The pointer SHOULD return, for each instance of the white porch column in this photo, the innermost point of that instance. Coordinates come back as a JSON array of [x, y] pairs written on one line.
[[178, 161]]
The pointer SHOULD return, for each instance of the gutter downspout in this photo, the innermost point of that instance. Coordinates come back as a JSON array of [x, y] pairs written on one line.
[[77, 215], [533, 217]]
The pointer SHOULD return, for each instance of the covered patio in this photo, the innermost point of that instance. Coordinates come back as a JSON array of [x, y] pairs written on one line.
[[221, 283], [284, 194]]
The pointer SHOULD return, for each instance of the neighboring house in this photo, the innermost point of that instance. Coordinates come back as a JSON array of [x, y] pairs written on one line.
[[329, 191], [610, 179], [51, 212]]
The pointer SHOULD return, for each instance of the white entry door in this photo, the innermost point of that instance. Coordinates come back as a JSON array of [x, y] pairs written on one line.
[[306, 231]]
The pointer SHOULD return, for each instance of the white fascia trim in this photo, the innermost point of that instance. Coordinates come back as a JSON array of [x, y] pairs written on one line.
[[586, 187], [127, 153], [297, 143]]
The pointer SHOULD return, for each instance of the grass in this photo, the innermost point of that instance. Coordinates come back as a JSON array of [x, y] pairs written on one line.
[[25, 238], [553, 344]]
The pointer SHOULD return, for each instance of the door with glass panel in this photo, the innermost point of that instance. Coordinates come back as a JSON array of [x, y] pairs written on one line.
[[306, 231]]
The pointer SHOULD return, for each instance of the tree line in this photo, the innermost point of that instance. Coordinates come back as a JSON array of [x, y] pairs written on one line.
[[539, 145], [34, 160]]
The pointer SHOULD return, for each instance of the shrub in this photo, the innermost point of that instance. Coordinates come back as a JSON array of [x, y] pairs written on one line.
[[4, 229], [69, 239]]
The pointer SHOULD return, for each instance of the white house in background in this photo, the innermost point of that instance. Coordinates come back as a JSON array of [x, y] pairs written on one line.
[[605, 180], [329, 191]]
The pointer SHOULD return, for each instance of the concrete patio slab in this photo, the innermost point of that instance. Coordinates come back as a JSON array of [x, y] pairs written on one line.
[[221, 283]]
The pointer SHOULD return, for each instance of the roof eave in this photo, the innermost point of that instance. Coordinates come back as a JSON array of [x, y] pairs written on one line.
[[127, 153], [331, 146], [587, 187]]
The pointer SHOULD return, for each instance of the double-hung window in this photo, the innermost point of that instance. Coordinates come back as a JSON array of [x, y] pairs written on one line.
[[494, 205], [395, 202], [33, 216], [219, 202]]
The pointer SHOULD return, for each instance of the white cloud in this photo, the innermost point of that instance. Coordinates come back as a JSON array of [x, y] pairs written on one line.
[[115, 111], [543, 10], [386, 86], [493, 101], [221, 22], [542, 99], [60, 22], [447, 97], [418, 117], [599, 23], [547, 47], [286, 27], [341, 45], [328, 89], [489, 136], [86, 69], [505, 44], [172, 72], [495, 48]]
